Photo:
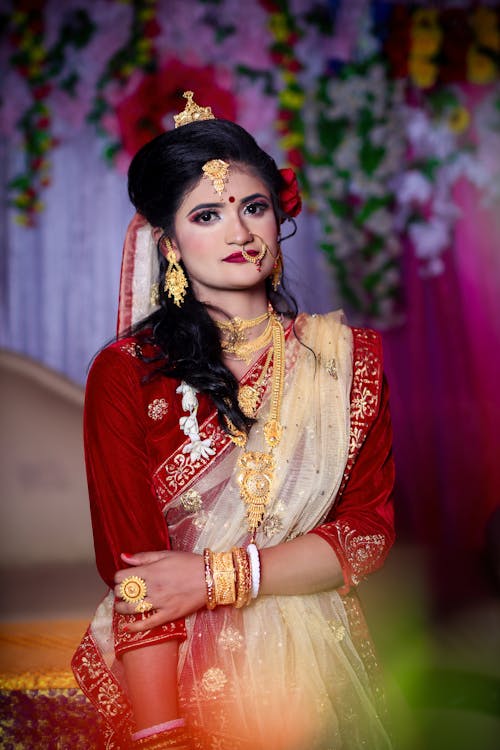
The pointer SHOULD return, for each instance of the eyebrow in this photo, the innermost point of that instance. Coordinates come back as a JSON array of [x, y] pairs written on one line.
[[247, 199]]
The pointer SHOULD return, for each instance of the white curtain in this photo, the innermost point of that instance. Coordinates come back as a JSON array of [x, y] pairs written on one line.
[[59, 282]]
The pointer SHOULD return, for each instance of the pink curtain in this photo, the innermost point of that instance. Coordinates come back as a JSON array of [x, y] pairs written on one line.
[[443, 366]]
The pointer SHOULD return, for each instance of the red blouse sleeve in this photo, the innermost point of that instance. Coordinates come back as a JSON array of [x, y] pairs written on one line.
[[360, 527], [125, 513]]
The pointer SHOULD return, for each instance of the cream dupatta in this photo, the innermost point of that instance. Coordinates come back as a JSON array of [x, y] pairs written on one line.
[[283, 672]]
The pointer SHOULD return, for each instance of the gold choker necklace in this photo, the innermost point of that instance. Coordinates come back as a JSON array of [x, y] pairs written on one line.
[[235, 342], [257, 467]]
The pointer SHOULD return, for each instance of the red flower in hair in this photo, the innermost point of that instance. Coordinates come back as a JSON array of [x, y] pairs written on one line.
[[290, 200]]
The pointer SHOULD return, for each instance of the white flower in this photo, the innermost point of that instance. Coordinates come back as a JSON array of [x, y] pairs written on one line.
[[430, 238], [189, 400], [189, 425], [199, 449], [413, 188], [380, 221]]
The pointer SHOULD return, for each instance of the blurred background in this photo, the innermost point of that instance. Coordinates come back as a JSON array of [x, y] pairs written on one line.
[[390, 114]]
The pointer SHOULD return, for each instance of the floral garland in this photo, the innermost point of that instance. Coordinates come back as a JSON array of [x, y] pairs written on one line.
[[432, 46], [285, 33], [354, 151], [42, 69], [137, 54], [438, 131]]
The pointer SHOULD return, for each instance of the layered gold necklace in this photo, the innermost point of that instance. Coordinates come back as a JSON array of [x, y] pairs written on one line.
[[237, 344], [256, 468]]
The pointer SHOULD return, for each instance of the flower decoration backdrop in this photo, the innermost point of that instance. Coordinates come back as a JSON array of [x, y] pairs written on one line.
[[388, 112]]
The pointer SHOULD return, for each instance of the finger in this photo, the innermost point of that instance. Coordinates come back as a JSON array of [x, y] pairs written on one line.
[[143, 558], [123, 608], [152, 621]]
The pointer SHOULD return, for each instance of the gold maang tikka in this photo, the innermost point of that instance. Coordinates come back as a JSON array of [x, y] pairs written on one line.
[[216, 170]]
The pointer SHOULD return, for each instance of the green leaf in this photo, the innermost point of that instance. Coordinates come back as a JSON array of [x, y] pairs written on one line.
[[370, 157]]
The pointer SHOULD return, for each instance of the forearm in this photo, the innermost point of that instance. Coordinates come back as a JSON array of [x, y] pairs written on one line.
[[151, 675], [304, 565]]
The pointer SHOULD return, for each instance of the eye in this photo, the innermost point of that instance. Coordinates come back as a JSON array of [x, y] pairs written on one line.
[[205, 217], [256, 207]]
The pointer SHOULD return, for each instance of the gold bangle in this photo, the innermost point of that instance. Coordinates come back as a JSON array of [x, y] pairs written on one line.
[[209, 579], [224, 577], [243, 577]]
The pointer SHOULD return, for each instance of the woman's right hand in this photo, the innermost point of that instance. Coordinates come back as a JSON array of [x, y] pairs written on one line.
[[175, 583]]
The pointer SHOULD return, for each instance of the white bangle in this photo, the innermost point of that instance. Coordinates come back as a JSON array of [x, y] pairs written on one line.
[[157, 728], [254, 558]]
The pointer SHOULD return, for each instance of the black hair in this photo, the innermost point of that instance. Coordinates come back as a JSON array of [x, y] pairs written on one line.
[[160, 175]]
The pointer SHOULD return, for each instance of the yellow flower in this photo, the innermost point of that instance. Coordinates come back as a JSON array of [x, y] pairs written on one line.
[[19, 17], [459, 120], [426, 41], [489, 38], [279, 27], [37, 53], [424, 17], [483, 19], [27, 41], [289, 77], [480, 68], [422, 71], [127, 69], [292, 140], [291, 99], [146, 14]]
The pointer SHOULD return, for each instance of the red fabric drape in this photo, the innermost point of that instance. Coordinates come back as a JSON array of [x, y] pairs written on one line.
[[443, 367]]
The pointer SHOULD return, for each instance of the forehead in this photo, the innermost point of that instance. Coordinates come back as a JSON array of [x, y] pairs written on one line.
[[240, 182]]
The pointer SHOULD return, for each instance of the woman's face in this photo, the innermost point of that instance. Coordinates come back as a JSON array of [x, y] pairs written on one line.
[[211, 231]]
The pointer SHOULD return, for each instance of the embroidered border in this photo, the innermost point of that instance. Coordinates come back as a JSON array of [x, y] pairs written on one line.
[[103, 690], [365, 393], [177, 472]]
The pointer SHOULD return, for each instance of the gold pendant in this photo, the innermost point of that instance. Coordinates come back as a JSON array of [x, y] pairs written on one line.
[[273, 432], [247, 399], [255, 481]]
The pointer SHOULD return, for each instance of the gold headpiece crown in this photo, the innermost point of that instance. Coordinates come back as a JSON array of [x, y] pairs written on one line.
[[192, 112]]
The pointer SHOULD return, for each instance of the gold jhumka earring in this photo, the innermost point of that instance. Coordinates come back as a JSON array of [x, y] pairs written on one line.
[[175, 279]]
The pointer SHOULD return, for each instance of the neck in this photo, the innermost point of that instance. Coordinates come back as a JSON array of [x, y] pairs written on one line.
[[238, 305]]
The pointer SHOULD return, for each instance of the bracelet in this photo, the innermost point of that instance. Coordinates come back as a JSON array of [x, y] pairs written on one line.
[[209, 579], [156, 728], [224, 577], [254, 559], [176, 738], [243, 577]]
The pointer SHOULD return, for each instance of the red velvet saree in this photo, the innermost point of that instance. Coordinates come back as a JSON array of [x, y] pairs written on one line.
[[287, 672]]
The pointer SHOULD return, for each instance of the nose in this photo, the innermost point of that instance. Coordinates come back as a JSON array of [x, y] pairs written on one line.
[[237, 231]]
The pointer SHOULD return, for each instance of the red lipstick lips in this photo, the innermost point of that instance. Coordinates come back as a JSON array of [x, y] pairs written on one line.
[[238, 257]]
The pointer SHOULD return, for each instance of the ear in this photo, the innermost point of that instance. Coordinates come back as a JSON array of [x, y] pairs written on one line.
[[158, 233]]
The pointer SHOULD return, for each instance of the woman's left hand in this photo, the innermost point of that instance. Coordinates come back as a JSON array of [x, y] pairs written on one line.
[[175, 583]]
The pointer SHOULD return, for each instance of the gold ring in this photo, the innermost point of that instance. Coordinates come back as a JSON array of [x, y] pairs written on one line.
[[143, 606], [133, 589]]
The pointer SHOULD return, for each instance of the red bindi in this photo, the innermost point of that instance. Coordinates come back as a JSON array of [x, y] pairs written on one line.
[[231, 199]]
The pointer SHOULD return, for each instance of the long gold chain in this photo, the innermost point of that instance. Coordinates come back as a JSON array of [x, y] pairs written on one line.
[[248, 395], [256, 468]]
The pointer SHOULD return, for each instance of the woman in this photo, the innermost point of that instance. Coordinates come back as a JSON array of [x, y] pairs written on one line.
[[240, 473]]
